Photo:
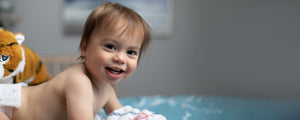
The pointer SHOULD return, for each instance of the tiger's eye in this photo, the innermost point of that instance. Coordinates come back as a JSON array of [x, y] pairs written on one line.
[[4, 57]]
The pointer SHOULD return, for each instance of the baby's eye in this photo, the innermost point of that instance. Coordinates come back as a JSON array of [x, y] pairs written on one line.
[[132, 52], [4, 57], [110, 46]]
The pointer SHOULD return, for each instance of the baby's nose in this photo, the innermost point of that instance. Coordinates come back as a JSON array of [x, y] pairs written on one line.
[[119, 58]]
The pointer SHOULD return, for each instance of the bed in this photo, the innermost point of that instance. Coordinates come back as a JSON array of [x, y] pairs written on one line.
[[197, 107]]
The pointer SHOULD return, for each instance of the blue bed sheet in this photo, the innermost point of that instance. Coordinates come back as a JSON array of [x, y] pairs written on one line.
[[193, 107]]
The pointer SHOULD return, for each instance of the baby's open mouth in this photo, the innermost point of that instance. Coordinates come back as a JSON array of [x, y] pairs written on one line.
[[114, 73], [114, 70]]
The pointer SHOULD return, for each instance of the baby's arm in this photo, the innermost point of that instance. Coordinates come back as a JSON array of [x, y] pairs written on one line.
[[113, 103], [79, 100]]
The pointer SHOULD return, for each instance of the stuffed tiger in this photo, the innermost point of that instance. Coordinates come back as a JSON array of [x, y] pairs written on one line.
[[14, 68]]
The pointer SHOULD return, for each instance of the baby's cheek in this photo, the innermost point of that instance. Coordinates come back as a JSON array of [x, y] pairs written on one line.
[[133, 66], [130, 70]]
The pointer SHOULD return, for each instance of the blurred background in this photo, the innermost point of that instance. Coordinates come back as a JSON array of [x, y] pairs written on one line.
[[244, 48]]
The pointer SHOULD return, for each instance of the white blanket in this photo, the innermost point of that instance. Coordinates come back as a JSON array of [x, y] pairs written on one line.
[[129, 113]]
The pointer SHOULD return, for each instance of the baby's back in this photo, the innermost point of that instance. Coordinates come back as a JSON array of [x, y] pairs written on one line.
[[47, 101], [42, 102]]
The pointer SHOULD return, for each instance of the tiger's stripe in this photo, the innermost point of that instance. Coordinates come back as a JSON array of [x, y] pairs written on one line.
[[32, 68]]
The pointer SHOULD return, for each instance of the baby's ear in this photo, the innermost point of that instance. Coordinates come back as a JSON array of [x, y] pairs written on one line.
[[20, 38]]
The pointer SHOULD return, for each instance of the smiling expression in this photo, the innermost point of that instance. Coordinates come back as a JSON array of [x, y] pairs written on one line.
[[112, 56]]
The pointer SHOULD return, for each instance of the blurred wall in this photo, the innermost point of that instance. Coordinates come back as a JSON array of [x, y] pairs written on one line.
[[218, 47]]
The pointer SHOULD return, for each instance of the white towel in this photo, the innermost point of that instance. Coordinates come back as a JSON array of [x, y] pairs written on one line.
[[10, 95], [129, 113]]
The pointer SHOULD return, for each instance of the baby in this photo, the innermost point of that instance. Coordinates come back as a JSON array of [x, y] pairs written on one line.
[[112, 42]]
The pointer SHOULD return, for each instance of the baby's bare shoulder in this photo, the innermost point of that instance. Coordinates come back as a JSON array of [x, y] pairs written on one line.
[[70, 80], [74, 74]]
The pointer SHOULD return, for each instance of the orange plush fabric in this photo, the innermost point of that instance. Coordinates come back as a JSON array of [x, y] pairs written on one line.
[[18, 63]]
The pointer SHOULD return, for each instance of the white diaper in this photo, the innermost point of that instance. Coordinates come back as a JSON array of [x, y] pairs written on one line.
[[10, 96]]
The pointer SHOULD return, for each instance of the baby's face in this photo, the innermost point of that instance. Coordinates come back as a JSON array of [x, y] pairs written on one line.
[[112, 57]]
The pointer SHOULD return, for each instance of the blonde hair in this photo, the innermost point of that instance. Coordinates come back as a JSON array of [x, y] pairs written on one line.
[[106, 17]]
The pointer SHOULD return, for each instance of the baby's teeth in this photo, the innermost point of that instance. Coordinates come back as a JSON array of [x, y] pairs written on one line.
[[116, 69], [114, 72]]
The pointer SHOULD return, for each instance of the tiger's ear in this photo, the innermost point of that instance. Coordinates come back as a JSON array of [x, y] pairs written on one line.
[[20, 38]]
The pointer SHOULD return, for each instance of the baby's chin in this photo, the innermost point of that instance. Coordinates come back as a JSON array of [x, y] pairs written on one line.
[[115, 81]]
